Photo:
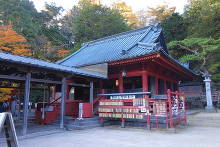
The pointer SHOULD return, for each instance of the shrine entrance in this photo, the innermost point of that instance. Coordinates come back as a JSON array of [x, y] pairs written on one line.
[[132, 84]]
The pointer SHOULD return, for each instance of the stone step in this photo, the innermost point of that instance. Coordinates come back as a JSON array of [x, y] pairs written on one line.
[[205, 119], [85, 123]]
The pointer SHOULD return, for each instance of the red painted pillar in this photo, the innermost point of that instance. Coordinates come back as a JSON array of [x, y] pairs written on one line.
[[101, 90], [121, 86], [145, 81], [156, 85], [54, 92], [171, 86], [170, 109], [67, 91], [165, 87]]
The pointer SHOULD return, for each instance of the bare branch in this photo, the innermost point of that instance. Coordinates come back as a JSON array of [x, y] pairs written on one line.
[[190, 50], [202, 67]]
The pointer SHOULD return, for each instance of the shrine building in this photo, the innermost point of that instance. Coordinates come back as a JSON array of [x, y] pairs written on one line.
[[133, 61], [133, 64]]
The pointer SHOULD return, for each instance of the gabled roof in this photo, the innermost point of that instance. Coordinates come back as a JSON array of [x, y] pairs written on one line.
[[121, 46], [33, 62]]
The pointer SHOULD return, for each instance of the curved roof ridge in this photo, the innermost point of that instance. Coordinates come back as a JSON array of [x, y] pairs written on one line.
[[131, 32], [118, 35]]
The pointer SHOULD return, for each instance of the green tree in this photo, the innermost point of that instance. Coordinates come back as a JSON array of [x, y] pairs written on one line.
[[203, 54], [203, 18], [127, 12], [89, 21], [174, 28], [160, 13], [142, 18], [22, 15], [41, 29]]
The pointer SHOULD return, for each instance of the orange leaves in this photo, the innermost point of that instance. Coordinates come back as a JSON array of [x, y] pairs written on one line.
[[12, 42], [5, 49], [25, 52], [62, 52]]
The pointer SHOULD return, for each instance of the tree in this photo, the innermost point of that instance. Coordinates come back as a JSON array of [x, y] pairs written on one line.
[[12, 42], [202, 53], [127, 12], [203, 18], [174, 28], [142, 18], [41, 29], [90, 22], [160, 13], [22, 15]]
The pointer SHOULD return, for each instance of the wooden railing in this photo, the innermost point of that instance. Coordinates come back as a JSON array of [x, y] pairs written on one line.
[[96, 104]]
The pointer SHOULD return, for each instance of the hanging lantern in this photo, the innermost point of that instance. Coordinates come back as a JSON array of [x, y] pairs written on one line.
[[116, 82], [72, 90]]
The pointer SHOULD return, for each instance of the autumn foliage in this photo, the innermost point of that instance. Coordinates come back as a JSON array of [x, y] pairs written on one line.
[[62, 52], [12, 42]]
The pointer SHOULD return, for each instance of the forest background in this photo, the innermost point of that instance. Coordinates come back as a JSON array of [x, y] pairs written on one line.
[[193, 36]]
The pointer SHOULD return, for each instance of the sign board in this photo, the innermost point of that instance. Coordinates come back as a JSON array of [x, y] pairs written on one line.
[[100, 68], [123, 97]]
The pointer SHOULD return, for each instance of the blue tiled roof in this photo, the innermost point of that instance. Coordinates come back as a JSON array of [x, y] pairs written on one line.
[[33, 62], [117, 47]]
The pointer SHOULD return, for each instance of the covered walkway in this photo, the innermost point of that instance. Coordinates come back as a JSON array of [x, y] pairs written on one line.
[[26, 71]]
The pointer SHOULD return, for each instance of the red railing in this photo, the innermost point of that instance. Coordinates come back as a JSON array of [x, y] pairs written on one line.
[[96, 104], [173, 105]]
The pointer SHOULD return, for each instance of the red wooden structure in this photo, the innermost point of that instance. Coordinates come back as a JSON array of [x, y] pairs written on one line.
[[167, 109]]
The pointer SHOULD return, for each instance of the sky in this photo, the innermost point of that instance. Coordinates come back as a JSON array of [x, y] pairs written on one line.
[[135, 4]]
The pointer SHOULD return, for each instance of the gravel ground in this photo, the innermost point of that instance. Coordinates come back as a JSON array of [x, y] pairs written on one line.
[[113, 136]]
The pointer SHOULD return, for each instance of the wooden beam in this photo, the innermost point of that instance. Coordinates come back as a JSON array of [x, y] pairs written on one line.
[[26, 101], [63, 98], [170, 69], [177, 68], [46, 81], [12, 77], [133, 60], [79, 85], [39, 80]]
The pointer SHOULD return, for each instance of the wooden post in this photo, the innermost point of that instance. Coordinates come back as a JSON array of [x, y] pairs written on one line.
[[148, 122], [184, 106], [63, 97], [67, 91], [165, 87], [178, 106], [145, 81], [91, 94], [101, 90], [156, 85], [170, 108], [54, 93], [122, 123], [121, 86], [26, 102]]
